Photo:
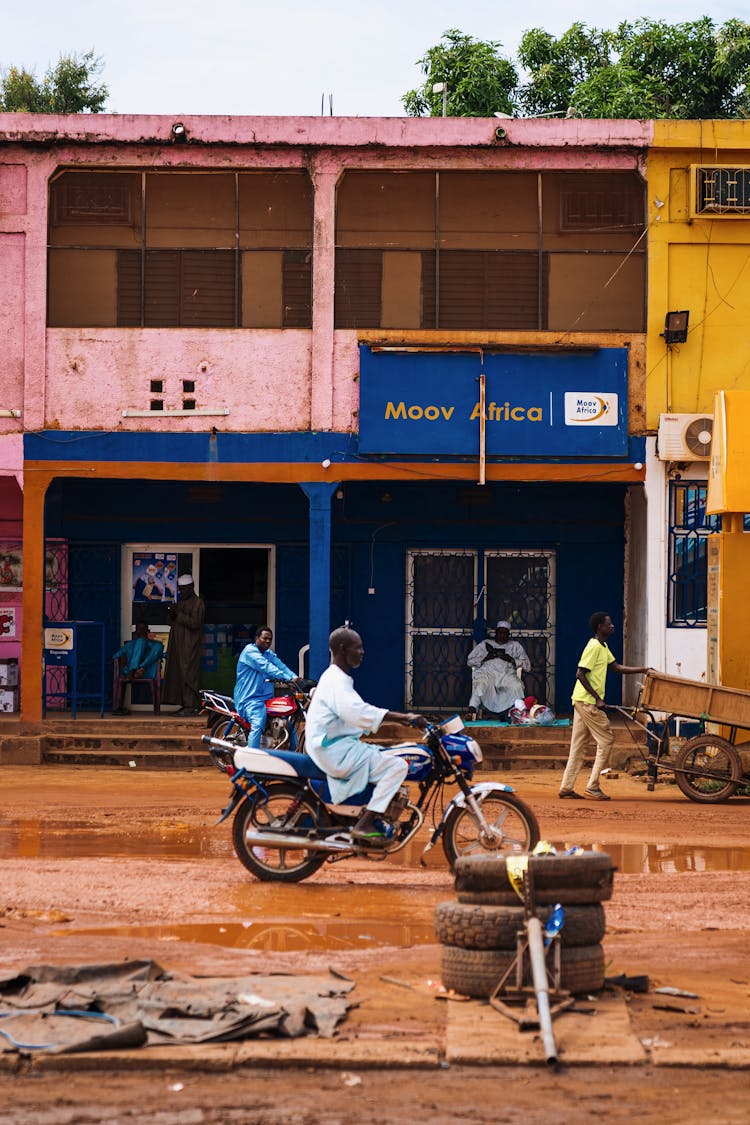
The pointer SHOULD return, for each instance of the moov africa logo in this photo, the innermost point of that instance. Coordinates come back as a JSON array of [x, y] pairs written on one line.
[[590, 408]]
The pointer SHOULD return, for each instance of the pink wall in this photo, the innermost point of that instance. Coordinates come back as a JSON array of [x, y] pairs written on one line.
[[266, 379], [262, 377]]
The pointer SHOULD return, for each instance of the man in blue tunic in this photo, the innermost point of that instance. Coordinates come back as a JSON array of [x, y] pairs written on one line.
[[336, 720], [139, 660], [257, 667]]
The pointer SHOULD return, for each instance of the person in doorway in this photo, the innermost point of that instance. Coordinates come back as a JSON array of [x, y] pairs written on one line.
[[336, 720], [257, 667], [495, 683], [182, 675], [140, 659], [591, 726]]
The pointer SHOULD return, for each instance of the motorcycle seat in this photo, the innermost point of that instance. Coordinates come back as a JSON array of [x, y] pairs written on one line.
[[304, 766]]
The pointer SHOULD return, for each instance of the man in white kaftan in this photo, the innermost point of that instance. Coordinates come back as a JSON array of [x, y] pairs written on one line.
[[335, 722], [495, 684]]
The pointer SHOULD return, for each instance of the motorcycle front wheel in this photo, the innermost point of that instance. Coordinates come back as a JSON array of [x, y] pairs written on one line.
[[229, 730], [287, 811], [511, 827]]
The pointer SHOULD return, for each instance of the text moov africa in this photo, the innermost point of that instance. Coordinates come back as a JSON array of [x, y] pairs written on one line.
[[494, 412]]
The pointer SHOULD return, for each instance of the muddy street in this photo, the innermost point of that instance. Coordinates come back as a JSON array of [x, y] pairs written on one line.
[[108, 864]]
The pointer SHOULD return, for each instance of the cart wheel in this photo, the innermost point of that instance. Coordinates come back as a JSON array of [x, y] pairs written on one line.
[[708, 769]]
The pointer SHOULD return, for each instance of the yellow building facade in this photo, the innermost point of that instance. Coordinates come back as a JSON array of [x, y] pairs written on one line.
[[698, 225]]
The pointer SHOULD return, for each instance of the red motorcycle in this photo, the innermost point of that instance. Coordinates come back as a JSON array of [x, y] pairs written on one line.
[[285, 717]]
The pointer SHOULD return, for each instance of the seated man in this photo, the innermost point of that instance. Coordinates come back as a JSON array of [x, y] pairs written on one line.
[[495, 685], [140, 659], [257, 667], [336, 720]]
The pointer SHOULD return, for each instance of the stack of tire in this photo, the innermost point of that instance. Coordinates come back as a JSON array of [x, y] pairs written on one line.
[[478, 931]]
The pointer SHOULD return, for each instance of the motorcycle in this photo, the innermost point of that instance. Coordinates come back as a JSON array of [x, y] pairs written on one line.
[[286, 826], [285, 716]]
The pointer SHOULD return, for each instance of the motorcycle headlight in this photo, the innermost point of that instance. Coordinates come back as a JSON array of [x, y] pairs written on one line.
[[476, 750]]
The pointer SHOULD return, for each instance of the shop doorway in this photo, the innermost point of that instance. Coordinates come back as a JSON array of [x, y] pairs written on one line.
[[236, 581], [454, 597]]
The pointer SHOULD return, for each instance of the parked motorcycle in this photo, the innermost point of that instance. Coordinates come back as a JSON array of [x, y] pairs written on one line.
[[286, 826], [285, 717]]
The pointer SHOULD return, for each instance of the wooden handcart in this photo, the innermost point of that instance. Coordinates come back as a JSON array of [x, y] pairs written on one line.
[[710, 767]]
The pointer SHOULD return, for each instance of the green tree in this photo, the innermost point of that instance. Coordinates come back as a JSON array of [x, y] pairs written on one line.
[[68, 87], [480, 81], [644, 69]]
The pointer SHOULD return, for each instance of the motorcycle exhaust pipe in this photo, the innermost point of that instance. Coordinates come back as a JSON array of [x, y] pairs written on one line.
[[269, 840]]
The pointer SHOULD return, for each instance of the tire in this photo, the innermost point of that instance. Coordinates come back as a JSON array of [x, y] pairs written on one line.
[[476, 972], [570, 880], [495, 927], [279, 865], [714, 755], [230, 731], [514, 826]]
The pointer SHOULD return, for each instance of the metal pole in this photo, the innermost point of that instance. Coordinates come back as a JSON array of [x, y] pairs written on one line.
[[445, 99], [541, 987]]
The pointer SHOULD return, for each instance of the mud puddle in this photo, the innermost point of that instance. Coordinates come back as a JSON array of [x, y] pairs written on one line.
[[178, 841], [275, 937]]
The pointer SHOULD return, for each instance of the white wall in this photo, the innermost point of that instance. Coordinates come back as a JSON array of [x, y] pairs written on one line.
[[678, 652]]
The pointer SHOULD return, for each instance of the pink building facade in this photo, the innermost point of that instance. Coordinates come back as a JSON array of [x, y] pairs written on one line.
[[337, 369]]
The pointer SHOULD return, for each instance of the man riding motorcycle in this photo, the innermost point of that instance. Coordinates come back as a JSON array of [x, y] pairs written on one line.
[[336, 720]]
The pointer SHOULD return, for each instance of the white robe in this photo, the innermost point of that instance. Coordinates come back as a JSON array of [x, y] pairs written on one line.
[[336, 719], [495, 684]]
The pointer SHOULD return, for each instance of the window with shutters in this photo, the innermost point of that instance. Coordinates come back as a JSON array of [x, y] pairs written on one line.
[[490, 250], [358, 288], [180, 249]]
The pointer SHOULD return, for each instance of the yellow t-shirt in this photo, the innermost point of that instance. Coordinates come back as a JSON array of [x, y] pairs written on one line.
[[595, 658]]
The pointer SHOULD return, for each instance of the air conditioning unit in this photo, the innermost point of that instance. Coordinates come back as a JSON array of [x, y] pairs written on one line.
[[684, 437]]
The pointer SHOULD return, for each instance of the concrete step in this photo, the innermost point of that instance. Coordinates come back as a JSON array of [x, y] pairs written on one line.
[[162, 741], [164, 757]]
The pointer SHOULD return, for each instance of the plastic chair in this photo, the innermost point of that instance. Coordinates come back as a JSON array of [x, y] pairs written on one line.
[[119, 681]]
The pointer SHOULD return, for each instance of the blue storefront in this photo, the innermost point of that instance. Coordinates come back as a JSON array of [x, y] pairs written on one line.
[[480, 485]]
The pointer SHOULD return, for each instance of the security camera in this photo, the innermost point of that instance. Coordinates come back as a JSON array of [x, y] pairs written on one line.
[[500, 133]]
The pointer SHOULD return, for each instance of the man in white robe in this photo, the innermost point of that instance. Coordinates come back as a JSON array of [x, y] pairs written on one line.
[[495, 684], [335, 722]]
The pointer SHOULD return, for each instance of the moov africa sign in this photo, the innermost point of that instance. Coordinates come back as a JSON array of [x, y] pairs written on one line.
[[536, 404]]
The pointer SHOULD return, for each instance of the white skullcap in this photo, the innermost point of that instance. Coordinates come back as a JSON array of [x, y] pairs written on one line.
[[503, 625], [185, 580]]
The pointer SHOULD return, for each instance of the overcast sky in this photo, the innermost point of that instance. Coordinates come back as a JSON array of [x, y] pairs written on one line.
[[281, 56]]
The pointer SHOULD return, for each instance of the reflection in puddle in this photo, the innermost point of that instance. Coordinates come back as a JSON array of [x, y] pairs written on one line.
[[79, 840], [174, 840], [276, 937], [671, 859]]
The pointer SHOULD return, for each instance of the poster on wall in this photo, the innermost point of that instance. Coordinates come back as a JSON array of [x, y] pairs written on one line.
[[7, 622], [155, 577], [11, 566]]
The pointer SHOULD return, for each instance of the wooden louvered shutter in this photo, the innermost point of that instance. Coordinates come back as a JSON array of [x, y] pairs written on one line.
[[296, 284], [428, 288], [162, 289], [207, 289], [357, 298], [489, 289], [128, 288]]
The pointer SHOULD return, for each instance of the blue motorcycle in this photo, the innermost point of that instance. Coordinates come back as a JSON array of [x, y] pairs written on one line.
[[286, 826]]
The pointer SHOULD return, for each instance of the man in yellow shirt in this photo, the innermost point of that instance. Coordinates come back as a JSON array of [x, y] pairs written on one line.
[[590, 723]]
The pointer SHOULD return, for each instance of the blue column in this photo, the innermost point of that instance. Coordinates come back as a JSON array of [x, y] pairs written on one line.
[[319, 496]]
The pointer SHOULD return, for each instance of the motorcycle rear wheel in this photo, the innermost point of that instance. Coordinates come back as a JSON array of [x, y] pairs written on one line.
[[515, 828], [278, 865]]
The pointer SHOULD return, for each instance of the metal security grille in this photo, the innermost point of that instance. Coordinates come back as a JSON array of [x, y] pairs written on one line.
[[689, 528], [722, 191], [448, 592]]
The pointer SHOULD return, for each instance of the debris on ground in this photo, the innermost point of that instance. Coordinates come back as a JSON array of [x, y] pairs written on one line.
[[63, 1009]]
